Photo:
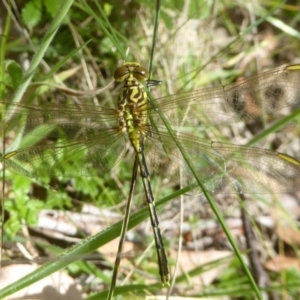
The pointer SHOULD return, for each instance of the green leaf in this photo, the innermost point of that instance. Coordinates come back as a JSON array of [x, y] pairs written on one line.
[[15, 72], [52, 6], [107, 8], [36, 135], [32, 13]]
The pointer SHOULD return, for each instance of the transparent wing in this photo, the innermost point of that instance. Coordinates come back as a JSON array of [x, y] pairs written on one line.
[[224, 167], [71, 140], [67, 117], [267, 94], [76, 157], [246, 169], [86, 140]]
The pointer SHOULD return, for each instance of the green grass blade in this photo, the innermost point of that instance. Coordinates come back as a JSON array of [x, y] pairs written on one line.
[[211, 202], [62, 12], [229, 46], [105, 26], [276, 126], [62, 62], [84, 248]]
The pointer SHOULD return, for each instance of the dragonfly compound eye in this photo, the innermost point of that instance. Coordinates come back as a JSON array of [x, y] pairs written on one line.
[[141, 73], [121, 74]]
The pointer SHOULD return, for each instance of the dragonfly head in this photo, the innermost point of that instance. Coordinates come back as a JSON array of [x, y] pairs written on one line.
[[131, 71]]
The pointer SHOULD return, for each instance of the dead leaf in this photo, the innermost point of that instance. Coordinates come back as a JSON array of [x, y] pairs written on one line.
[[279, 263]]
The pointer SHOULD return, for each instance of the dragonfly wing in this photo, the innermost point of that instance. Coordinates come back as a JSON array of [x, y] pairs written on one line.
[[221, 167], [246, 170], [64, 140], [66, 119], [70, 158], [267, 94]]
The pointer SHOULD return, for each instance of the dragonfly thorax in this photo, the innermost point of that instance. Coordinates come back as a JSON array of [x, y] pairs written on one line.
[[132, 103]]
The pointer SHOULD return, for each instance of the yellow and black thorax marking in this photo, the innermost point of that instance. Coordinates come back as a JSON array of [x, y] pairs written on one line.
[[132, 103]]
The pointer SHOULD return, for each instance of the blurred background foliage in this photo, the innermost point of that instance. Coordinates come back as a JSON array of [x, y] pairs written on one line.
[[199, 43]]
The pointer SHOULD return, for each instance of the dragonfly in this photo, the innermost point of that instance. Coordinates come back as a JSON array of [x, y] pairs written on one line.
[[160, 133]]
